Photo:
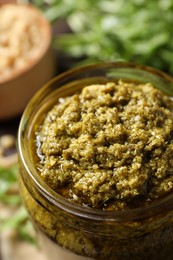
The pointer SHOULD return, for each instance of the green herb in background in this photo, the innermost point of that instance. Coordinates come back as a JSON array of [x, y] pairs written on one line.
[[103, 30]]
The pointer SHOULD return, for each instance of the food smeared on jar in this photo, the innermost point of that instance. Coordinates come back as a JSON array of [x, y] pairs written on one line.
[[110, 146]]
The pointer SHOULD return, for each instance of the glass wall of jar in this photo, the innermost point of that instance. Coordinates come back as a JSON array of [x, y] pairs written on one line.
[[70, 231]]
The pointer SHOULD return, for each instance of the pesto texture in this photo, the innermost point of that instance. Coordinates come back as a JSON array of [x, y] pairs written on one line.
[[110, 146]]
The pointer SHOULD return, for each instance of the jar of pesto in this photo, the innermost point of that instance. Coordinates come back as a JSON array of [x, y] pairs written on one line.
[[96, 170]]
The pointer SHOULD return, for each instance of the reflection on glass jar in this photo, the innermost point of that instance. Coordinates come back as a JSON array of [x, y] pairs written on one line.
[[70, 231]]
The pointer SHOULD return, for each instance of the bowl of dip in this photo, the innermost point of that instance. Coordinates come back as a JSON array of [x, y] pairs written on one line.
[[96, 171], [26, 56]]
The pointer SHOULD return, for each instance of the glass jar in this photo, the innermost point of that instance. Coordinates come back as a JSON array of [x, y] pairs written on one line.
[[68, 231]]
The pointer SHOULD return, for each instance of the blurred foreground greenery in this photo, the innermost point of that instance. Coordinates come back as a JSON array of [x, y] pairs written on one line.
[[9, 197], [139, 31]]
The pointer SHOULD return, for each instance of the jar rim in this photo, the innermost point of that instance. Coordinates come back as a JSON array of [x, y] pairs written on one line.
[[158, 207]]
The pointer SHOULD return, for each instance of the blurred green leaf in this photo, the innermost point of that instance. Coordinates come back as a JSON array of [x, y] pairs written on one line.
[[8, 178], [139, 31], [15, 221], [8, 196]]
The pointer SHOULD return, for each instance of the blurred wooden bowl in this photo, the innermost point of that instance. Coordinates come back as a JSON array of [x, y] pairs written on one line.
[[19, 85]]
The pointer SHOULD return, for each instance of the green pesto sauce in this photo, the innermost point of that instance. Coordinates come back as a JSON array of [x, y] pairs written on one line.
[[110, 146]]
